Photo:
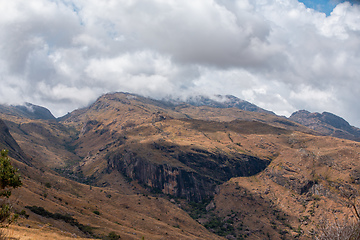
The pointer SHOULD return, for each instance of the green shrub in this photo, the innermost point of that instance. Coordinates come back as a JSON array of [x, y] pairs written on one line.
[[9, 179], [58, 216], [112, 236]]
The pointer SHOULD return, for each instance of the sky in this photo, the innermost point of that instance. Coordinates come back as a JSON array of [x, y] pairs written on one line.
[[282, 55], [325, 6]]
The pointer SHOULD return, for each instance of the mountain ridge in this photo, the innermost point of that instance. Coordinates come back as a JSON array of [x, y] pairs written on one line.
[[327, 123], [238, 173], [219, 101], [27, 110]]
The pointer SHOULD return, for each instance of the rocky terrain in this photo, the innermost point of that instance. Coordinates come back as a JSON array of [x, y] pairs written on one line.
[[202, 169], [327, 124]]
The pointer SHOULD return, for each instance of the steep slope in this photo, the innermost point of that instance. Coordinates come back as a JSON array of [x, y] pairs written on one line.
[[8, 142], [240, 174], [313, 179], [46, 142], [60, 207], [37, 132], [147, 141], [161, 147], [56, 207], [327, 124]]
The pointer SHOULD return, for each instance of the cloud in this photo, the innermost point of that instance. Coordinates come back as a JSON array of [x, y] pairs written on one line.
[[63, 54]]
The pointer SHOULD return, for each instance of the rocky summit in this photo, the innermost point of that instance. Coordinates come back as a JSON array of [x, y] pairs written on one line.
[[327, 124]]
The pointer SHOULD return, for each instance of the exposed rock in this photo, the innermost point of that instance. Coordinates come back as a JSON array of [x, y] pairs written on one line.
[[210, 206], [327, 124], [186, 173]]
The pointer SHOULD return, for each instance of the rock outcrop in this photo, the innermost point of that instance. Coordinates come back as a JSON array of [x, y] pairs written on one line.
[[327, 124], [181, 171]]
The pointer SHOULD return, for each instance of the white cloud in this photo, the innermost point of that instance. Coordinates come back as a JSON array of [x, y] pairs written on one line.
[[278, 54]]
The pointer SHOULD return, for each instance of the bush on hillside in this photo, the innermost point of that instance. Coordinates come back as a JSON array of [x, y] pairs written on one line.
[[346, 229], [9, 180]]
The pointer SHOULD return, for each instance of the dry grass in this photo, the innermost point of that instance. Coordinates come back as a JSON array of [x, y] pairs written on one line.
[[297, 158], [39, 232], [122, 209]]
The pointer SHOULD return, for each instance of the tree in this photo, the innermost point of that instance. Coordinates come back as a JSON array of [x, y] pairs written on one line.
[[9, 180], [345, 229]]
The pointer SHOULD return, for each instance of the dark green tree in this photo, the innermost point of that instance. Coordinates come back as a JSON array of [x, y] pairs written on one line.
[[9, 180]]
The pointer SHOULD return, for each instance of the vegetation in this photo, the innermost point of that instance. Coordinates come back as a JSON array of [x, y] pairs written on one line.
[[341, 230], [9, 180], [198, 209], [218, 226], [112, 236], [58, 216], [337, 230]]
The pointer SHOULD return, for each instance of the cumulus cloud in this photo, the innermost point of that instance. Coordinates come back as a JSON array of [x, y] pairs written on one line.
[[281, 55]]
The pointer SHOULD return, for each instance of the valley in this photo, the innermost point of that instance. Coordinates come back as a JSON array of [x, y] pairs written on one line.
[[135, 167]]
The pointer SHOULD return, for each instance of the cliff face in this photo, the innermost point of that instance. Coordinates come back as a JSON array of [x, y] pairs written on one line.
[[187, 173], [164, 178]]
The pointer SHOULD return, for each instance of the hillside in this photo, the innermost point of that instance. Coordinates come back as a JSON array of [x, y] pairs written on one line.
[[327, 124], [89, 209], [27, 110], [143, 167]]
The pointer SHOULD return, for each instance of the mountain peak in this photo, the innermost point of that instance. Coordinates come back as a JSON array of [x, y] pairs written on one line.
[[220, 101], [327, 123], [27, 110]]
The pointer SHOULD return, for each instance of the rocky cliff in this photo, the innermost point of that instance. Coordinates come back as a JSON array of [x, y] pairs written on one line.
[[183, 172]]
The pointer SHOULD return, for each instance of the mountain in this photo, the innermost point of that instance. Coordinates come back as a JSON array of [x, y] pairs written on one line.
[[148, 141], [160, 169], [327, 124], [51, 206], [27, 110], [193, 152], [220, 101]]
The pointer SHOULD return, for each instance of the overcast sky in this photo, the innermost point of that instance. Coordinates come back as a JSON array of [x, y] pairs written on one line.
[[281, 55]]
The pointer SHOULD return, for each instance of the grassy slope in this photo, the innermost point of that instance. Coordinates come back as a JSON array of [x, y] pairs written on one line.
[[128, 213], [269, 203]]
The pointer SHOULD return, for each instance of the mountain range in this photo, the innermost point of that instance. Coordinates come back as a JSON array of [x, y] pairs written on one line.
[[203, 168]]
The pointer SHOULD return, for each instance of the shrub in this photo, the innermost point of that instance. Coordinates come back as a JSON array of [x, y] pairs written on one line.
[[341, 230], [112, 236], [347, 230], [58, 216], [9, 179]]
